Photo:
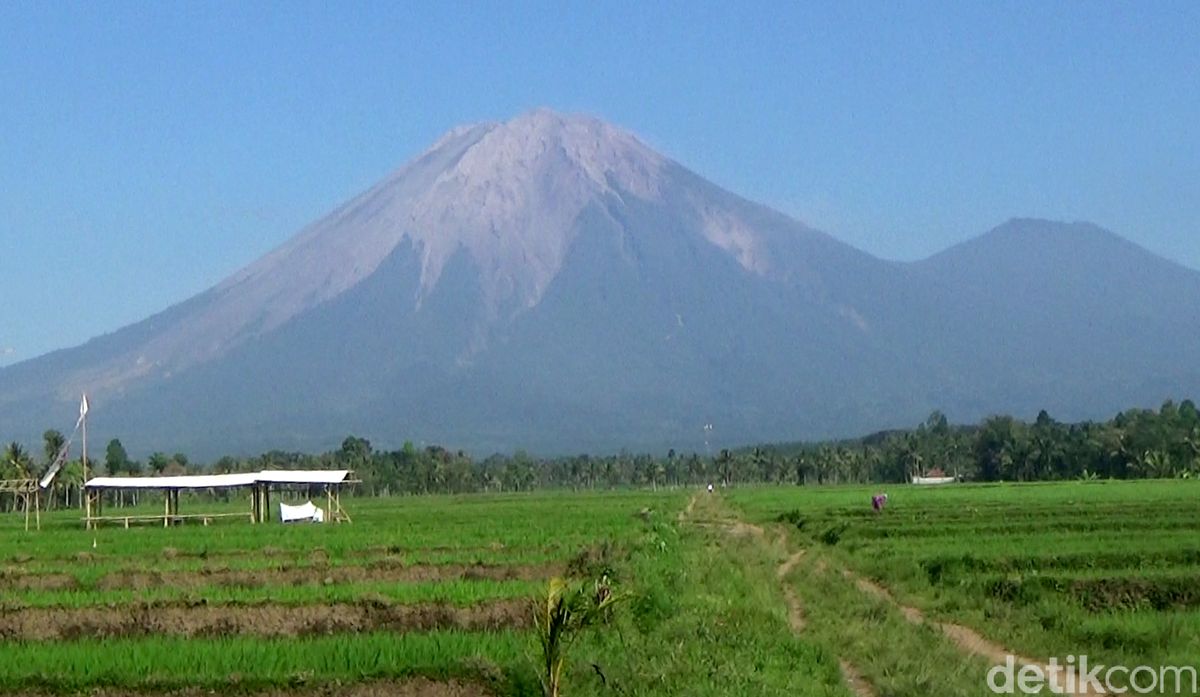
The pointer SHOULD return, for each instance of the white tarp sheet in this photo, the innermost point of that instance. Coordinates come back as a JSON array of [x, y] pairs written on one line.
[[934, 480], [304, 512], [302, 476]]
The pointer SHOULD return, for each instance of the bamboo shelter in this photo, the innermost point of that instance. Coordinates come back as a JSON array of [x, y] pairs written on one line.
[[259, 485], [330, 483]]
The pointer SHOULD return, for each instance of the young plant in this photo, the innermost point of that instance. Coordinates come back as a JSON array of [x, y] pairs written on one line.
[[562, 617]]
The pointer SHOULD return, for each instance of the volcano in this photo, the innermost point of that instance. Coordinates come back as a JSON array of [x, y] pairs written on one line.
[[552, 283]]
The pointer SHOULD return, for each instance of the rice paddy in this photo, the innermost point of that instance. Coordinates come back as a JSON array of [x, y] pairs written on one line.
[[754, 591]]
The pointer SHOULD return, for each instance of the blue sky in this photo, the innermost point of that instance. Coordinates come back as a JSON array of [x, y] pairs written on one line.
[[149, 149]]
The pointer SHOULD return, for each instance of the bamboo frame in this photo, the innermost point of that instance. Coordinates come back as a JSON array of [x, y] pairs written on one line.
[[95, 511], [260, 506], [261, 500], [28, 496]]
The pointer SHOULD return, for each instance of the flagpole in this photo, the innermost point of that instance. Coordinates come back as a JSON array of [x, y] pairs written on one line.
[[87, 500]]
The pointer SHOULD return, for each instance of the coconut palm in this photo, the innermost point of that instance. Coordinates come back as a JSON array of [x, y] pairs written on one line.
[[17, 464]]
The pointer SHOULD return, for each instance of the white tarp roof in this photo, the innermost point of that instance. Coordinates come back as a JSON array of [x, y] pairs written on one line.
[[302, 476], [194, 481], [218, 481]]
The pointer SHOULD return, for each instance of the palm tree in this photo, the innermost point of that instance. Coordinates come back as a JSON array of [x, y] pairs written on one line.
[[53, 442], [70, 479], [158, 462], [17, 462]]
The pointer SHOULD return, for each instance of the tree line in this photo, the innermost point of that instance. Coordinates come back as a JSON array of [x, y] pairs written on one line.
[[1138, 443]]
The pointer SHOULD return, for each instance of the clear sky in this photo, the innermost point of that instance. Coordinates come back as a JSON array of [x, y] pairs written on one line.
[[149, 149]]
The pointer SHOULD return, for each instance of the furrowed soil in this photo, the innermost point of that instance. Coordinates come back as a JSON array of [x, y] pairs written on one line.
[[381, 571], [268, 620], [384, 571]]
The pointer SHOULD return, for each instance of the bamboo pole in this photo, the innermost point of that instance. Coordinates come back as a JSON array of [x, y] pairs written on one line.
[[87, 500]]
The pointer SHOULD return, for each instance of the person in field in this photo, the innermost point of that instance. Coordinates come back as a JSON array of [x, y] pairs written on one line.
[[878, 501]]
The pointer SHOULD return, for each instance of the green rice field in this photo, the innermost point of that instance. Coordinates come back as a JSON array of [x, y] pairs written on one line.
[[748, 591]]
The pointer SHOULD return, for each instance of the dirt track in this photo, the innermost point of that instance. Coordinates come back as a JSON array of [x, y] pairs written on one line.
[[795, 608], [966, 639], [265, 619], [855, 681]]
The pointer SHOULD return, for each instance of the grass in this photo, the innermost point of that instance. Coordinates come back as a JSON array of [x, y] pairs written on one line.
[[166, 663]]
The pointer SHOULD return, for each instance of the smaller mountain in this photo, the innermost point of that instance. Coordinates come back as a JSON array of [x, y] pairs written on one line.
[[1064, 316]]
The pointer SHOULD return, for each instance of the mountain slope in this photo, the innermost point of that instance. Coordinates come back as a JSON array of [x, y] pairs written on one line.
[[1069, 317], [552, 283]]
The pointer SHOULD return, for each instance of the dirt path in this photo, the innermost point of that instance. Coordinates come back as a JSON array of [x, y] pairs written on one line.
[[786, 567], [796, 619], [686, 513], [964, 638], [259, 619], [729, 524], [795, 607], [855, 681], [968, 640]]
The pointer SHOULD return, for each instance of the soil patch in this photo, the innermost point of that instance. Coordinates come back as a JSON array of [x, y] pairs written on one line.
[[264, 619], [37, 582]]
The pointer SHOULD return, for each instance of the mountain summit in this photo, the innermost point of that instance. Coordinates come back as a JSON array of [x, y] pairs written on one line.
[[551, 282]]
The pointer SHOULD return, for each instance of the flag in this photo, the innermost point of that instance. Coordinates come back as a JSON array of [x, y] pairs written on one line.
[[83, 410]]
